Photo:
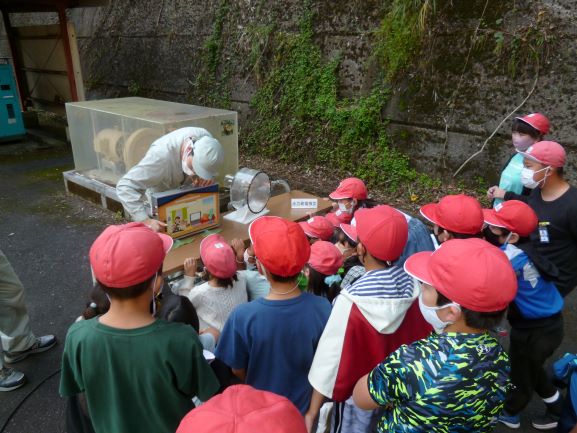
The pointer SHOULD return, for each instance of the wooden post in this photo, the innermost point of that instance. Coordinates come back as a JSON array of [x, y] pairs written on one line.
[[67, 52]]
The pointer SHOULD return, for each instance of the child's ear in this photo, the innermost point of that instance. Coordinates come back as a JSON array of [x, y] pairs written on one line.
[[514, 238], [453, 314]]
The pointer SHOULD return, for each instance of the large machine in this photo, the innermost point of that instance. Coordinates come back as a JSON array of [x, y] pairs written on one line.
[[110, 136], [11, 123]]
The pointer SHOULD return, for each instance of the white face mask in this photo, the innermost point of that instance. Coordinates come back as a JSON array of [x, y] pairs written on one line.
[[343, 207], [249, 266], [431, 316], [522, 142], [186, 169], [527, 177], [188, 151]]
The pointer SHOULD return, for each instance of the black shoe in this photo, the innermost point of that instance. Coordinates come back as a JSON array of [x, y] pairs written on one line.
[[548, 421], [11, 379], [41, 344]]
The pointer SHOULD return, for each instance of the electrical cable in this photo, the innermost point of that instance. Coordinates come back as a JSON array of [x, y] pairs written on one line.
[[32, 391]]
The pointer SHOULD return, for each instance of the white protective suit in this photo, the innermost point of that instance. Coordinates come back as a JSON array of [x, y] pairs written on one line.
[[160, 170]]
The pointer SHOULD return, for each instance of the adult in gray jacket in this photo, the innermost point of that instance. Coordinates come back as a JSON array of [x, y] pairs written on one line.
[[182, 157]]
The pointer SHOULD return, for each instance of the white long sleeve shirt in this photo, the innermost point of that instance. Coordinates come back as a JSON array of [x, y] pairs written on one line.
[[159, 170]]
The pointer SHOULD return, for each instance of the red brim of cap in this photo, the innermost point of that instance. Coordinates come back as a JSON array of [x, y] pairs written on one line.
[[167, 242], [337, 195], [417, 266], [350, 231], [531, 157], [336, 220], [490, 218], [429, 211], [307, 229]]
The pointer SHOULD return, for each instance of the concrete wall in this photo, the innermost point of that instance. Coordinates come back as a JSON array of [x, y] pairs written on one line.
[[153, 48]]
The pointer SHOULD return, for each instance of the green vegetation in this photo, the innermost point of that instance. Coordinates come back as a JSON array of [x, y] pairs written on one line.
[[211, 87], [299, 116], [399, 36], [519, 50], [297, 113]]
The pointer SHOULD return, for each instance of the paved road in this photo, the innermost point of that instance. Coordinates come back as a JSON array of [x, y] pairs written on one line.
[[46, 236]]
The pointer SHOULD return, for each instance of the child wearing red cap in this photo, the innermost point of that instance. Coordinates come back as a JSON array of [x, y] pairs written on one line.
[[318, 227], [270, 342], [455, 217], [534, 315], [244, 409], [322, 270], [350, 195], [456, 379], [223, 289], [526, 130], [554, 201], [138, 373], [369, 319]]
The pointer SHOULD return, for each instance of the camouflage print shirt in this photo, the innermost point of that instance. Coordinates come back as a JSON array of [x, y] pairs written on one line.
[[450, 382]]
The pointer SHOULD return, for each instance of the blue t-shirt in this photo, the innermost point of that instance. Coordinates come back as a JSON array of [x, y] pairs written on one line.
[[275, 341], [536, 297], [511, 177]]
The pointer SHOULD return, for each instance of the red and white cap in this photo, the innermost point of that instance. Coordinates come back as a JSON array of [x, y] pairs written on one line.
[[471, 272], [339, 217], [457, 213], [325, 258], [536, 121], [280, 245], [318, 227], [513, 215], [547, 153], [383, 231], [351, 187], [129, 254], [243, 409], [218, 256], [350, 230]]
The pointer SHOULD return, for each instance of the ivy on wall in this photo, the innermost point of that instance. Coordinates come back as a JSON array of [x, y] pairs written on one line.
[[297, 114]]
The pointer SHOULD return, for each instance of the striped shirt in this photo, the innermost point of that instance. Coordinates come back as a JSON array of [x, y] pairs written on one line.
[[391, 282]]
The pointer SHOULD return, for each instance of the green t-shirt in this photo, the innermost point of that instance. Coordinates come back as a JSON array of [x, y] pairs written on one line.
[[135, 380]]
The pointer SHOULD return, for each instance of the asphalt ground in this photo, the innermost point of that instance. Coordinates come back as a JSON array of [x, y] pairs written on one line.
[[46, 236]]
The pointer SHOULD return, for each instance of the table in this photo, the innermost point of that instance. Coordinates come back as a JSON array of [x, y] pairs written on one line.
[[279, 205]]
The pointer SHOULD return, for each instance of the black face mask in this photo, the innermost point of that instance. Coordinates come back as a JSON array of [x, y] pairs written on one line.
[[491, 237]]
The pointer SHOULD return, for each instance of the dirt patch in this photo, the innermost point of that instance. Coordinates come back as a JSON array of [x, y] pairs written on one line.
[[321, 181]]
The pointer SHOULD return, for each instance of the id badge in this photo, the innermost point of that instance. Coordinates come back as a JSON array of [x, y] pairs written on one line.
[[543, 233]]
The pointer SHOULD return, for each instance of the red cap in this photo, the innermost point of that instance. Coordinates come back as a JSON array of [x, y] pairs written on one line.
[[471, 272], [351, 187], [218, 256], [280, 245], [546, 153], [514, 215], [350, 230], [536, 121], [325, 258], [128, 254], [383, 231], [456, 213], [243, 409], [318, 227], [339, 217]]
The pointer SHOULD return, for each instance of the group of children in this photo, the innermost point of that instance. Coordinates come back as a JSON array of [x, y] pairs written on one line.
[[354, 313]]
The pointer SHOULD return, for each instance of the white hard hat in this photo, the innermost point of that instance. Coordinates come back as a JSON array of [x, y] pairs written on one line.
[[208, 157]]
